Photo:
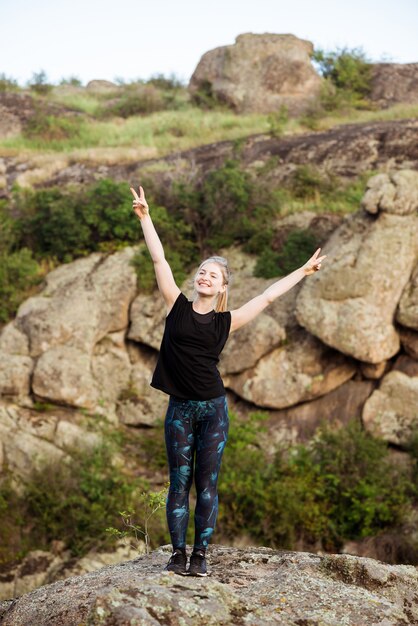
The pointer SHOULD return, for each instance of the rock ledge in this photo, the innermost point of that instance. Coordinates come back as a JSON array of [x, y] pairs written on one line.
[[251, 586]]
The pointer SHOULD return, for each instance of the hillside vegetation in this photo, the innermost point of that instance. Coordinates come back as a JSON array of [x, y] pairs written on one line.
[[343, 485]]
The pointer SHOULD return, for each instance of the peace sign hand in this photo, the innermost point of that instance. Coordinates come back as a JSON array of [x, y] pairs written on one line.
[[139, 204], [314, 263]]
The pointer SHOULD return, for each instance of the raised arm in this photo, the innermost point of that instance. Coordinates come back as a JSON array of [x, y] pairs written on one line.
[[252, 308], [165, 279]]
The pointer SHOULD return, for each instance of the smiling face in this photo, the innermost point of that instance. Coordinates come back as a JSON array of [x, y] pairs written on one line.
[[209, 280]]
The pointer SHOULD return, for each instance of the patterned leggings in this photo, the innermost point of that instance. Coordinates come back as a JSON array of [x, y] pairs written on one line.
[[194, 428]]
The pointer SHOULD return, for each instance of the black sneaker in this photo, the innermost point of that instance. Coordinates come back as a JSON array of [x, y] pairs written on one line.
[[197, 565], [177, 562]]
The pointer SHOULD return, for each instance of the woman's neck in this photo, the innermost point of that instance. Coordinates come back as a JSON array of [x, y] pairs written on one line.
[[203, 305]]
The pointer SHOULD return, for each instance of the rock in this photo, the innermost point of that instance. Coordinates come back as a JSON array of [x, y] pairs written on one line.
[[68, 435], [346, 151], [111, 368], [40, 567], [63, 375], [27, 443], [407, 313], [13, 341], [406, 364], [321, 226], [102, 87], [393, 83], [147, 315], [139, 404], [75, 328], [298, 424], [393, 193], [301, 370], [31, 438], [15, 373], [263, 335], [391, 412], [350, 304], [82, 302], [15, 110], [373, 370], [259, 73], [409, 341], [246, 586]]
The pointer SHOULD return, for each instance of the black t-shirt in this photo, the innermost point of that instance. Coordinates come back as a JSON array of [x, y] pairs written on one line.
[[189, 352]]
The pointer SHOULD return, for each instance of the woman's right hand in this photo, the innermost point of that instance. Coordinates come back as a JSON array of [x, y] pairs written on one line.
[[139, 204]]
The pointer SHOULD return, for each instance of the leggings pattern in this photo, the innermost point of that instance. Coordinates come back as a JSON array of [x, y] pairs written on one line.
[[196, 432]]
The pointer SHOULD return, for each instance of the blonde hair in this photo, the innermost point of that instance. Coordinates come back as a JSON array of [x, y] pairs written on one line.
[[222, 301]]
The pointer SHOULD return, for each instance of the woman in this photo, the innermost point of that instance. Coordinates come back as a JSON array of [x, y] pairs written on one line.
[[196, 423]]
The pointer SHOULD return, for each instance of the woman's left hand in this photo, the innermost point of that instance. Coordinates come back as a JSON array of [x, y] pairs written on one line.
[[314, 263]]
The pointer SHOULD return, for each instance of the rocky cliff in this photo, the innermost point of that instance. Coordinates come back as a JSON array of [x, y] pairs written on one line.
[[254, 586], [345, 341]]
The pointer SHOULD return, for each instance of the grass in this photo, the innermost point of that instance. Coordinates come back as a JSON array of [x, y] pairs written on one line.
[[163, 132], [159, 134]]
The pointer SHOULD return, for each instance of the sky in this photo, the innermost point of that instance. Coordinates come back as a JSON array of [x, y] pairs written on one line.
[[131, 39]]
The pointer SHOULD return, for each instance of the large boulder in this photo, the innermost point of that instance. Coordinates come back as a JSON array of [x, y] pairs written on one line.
[[29, 439], [300, 370], [259, 73], [391, 412], [74, 332], [394, 82], [82, 302], [350, 305], [63, 375], [255, 585]]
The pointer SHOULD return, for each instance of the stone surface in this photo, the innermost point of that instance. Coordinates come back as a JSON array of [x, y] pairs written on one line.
[[13, 341], [351, 303], [346, 151], [82, 302], [15, 372], [31, 438], [396, 193], [252, 586], [299, 423], [42, 568], [63, 375], [407, 313], [147, 316], [391, 412], [139, 404], [393, 83], [301, 370], [409, 341], [259, 73], [27, 441]]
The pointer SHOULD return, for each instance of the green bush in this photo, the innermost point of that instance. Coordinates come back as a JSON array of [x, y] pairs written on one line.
[[277, 121], [307, 182], [72, 223], [7, 83], [225, 207], [341, 486], [74, 502], [204, 96], [47, 128], [348, 76], [297, 249], [180, 249], [39, 83], [242, 485], [18, 273]]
